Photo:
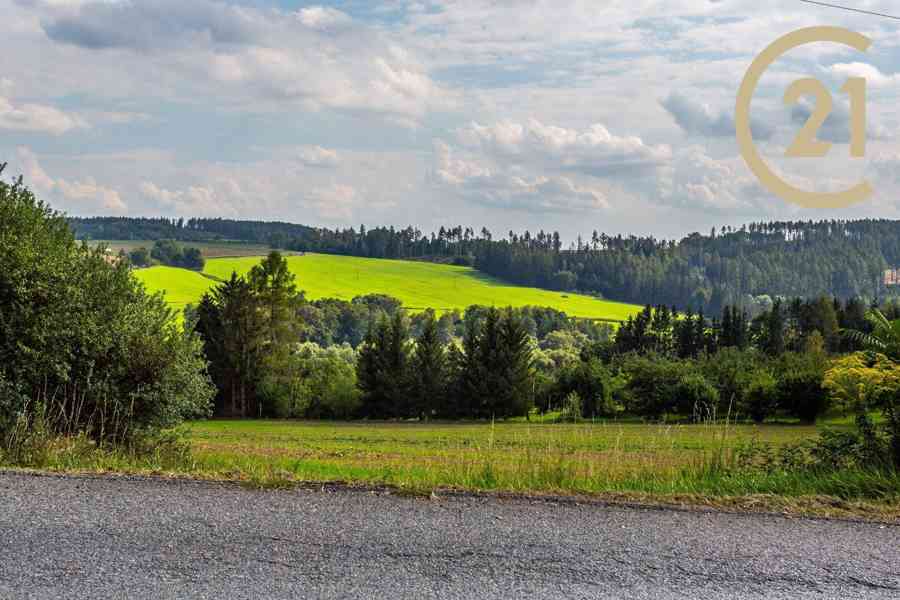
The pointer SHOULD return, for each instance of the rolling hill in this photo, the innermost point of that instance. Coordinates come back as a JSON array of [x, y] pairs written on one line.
[[419, 285]]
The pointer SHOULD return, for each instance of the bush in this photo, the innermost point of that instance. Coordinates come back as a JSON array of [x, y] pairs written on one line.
[[761, 396], [730, 370], [657, 386], [592, 382], [695, 396], [799, 385], [82, 339], [571, 408]]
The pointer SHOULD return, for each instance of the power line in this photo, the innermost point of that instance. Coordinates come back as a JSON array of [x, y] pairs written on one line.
[[848, 8]]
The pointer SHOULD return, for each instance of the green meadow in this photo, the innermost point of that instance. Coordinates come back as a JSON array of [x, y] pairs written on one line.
[[419, 285], [681, 463]]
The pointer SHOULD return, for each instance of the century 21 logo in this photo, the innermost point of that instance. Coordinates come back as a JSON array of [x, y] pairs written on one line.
[[806, 144]]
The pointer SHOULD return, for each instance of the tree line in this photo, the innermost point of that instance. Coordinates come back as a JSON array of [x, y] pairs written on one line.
[[273, 353], [265, 342], [167, 252], [747, 266]]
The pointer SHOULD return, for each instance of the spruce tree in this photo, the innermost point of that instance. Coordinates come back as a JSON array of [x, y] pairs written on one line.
[[514, 398], [429, 371]]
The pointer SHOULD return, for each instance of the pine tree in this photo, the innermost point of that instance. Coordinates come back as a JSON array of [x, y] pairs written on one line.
[[773, 344], [429, 371], [515, 397], [243, 331]]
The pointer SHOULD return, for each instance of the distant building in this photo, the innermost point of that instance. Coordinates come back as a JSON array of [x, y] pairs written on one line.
[[892, 277]]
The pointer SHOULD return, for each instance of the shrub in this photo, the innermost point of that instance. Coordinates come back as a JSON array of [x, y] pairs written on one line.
[[761, 396], [571, 409], [695, 396], [657, 385], [82, 339], [327, 382], [799, 385], [863, 382], [592, 382]]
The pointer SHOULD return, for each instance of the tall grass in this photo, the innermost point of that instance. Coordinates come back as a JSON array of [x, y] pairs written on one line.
[[596, 457]]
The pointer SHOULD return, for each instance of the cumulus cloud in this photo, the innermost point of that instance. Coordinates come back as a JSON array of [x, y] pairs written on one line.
[[594, 151], [196, 200], [695, 118], [37, 118], [335, 202], [873, 76], [513, 189], [323, 18], [317, 156], [79, 197], [151, 25], [316, 57], [697, 181]]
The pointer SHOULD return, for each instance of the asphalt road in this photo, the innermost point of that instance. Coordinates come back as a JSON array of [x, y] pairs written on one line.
[[121, 538]]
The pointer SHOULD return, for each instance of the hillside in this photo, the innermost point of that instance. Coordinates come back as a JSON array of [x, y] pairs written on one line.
[[746, 266], [418, 285]]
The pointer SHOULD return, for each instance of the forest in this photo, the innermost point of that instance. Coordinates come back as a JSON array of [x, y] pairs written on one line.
[[747, 267]]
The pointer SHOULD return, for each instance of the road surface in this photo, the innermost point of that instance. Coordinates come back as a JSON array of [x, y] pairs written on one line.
[[70, 537]]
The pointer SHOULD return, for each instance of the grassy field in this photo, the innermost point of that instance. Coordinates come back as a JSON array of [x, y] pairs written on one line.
[[208, 249], [181, 287], [610, 461], [418, 285], [586, 458]]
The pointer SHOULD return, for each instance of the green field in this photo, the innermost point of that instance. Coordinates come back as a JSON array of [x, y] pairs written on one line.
[[694, 462], [418, 285], [181, 287]]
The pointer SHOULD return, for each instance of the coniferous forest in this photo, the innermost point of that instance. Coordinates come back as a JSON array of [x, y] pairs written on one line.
[[747, 267]]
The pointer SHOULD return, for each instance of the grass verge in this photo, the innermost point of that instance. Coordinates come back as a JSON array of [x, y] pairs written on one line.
[[693, 465]]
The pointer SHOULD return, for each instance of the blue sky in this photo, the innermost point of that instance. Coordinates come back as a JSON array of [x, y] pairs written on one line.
[[567, 114]]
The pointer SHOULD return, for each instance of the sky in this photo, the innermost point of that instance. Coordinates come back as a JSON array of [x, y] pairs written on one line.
[[568, 115]]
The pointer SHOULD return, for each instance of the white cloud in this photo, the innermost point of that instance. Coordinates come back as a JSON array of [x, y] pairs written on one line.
[[336, 202], [513, 189], [323, 18], [37, 118], [80, 197], [317, 156], [697, 181], [873, 76], [700, 119], [255, 59], [594, 151], [195, 200]]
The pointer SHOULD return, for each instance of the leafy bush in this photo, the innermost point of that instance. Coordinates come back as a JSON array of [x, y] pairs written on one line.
[[657, 386], [695, 396], [82, 339], [864, 382], [592, 382], [761, 396], [571, 408], [800, 390]]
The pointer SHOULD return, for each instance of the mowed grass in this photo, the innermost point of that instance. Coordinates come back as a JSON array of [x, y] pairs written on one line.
[[421, 285], [584, 458], [180, 286]]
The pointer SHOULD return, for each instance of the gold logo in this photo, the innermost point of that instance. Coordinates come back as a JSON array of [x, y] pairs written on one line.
[[806, 144]]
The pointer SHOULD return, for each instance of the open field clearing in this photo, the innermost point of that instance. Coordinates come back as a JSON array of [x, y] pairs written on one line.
[[208, 249], [590, 458], [421, 285]]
